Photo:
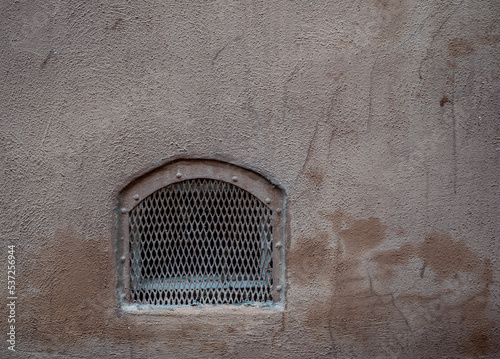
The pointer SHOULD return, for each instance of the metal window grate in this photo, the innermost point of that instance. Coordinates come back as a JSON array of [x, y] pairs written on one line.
[[200, 241]]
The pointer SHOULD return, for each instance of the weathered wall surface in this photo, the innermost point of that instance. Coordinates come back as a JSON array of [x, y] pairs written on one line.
[[381, 120]]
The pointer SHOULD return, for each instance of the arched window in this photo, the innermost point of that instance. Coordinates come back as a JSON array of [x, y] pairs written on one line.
[[202, 232]]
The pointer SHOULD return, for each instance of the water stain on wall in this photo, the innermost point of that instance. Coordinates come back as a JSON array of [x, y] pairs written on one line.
[[353, 312], [74, 281], [76, 302], [359, 309], [447, 259], [316, 176], [356, 310], [460, 47]]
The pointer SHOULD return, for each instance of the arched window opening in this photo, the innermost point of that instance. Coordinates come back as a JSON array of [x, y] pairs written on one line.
[[202, 233]]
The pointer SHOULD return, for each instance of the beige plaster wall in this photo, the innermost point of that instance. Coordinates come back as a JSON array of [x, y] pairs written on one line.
[[381, 119]]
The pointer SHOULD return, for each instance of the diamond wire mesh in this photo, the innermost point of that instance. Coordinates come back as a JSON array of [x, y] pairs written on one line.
[[200, 241]]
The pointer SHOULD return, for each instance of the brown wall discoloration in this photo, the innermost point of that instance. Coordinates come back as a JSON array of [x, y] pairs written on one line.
[[354, 310], [316, 176], [362, 235], [389, 260], [357, 235], [378, 119], [438, 252], [362, 306], [446, 257], [75, 290], [460, 47], [216, 349], [444, 100], [77, 303], [310, 260]]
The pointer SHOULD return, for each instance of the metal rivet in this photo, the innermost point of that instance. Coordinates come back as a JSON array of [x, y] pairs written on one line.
[[279, 288], [268, 200], [235, 179], [122, 258], [278, 245], [136, 197], [179, 174], [123, 210], [278, 210]]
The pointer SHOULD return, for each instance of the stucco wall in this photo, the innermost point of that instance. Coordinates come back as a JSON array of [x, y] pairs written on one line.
[[380, 119]]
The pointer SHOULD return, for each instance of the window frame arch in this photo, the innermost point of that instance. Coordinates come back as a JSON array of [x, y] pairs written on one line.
[[269, 193]]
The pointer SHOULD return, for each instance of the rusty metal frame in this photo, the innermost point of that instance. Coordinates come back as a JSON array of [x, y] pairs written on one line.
[[259, 186]]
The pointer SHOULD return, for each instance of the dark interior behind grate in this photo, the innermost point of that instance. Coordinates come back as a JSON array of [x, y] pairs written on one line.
[[200, 241]]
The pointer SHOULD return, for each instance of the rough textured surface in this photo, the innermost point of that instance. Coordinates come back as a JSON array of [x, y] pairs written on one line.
[[380, 119]]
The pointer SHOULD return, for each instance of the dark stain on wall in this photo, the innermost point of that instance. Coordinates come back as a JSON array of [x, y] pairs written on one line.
[[388, 261], [309, 262], [76, 303], [214, 348], [362, 307], [443, 100], [316, 176], [460, 47], [74, 277], [445, 256], [357, 235]]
